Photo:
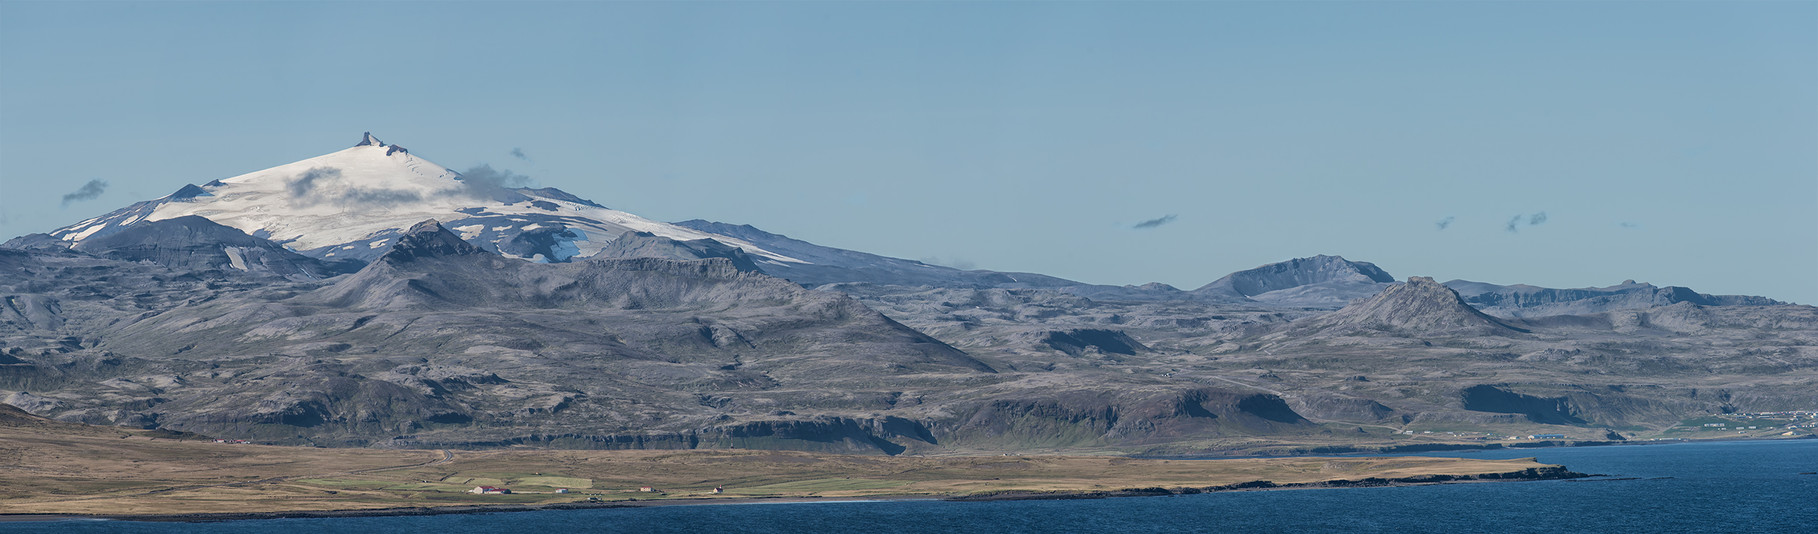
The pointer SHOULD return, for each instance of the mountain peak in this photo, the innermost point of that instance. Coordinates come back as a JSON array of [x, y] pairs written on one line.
[[1318, 281], [428, 239], [1421, 305], [369, 140], [1295, 273]]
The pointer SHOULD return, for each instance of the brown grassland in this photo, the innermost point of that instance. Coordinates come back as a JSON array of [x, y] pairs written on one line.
[[49, 467]]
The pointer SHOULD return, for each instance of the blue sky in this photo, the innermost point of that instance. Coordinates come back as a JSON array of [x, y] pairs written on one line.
[[1667, 142]]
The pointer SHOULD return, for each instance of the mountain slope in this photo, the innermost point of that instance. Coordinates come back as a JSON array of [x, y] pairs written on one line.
[[1419, 307], [827, 265], [1319, 281], [647, 245], [449, 343], [1530, 301], [194, 243]]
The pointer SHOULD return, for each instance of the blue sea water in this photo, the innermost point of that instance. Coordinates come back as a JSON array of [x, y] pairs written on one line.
[[1740, 486]]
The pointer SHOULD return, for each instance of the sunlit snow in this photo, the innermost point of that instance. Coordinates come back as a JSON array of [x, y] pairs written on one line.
[[335, 201]]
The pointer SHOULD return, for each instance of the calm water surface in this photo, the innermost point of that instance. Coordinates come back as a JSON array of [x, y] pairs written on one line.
[[1688, 487]]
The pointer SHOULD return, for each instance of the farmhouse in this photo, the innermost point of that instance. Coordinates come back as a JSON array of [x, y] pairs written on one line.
[[488, 490]]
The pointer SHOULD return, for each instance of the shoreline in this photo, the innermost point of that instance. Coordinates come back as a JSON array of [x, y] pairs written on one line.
[[1551, 472], [1416, 449]]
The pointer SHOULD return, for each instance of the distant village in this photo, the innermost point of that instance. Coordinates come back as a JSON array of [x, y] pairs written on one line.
[[1792, 423], [496, 490]]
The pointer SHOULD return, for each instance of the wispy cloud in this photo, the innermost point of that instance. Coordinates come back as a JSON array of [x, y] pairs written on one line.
[[1626, 224], [379, 196], [1445, 223], [482, 181], [306, 184], [88, 191], [1519, 220], [519, 153], [1152, 223], [307, 190]]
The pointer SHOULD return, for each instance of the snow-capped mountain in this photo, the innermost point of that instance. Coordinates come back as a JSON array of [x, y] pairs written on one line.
[[353, 204]]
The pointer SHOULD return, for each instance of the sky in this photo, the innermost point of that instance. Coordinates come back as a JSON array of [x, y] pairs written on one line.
[[1559, 144]]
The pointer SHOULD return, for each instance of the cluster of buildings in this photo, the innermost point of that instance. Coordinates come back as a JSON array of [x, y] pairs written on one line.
[[1484, 436], [1794, 415], [1792, 420], [495, 490]]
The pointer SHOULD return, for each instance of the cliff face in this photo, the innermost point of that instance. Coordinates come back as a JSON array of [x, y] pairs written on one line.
[[1099, 418]]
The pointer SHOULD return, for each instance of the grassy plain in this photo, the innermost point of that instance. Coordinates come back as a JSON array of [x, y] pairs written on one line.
[[62, 468]]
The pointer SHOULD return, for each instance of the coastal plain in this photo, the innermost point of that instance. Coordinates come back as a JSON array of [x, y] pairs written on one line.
[[57, 468]]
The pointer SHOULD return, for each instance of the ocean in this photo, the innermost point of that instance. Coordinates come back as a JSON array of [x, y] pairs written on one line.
[[1736, 486]]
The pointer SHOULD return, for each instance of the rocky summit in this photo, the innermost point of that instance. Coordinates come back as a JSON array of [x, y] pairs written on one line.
[[1418, 307], [369, 298]]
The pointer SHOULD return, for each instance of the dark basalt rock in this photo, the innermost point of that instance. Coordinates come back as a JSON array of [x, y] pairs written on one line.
[[426, 240], [1551, 411], [187, 192], [1076, 341]]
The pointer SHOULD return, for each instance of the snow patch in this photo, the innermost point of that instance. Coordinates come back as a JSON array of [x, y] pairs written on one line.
[[78, 236], [235, 257]]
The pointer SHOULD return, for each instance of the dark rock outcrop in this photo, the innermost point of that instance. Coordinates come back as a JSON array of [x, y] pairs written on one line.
[[1549, 411], [1079, 340]]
